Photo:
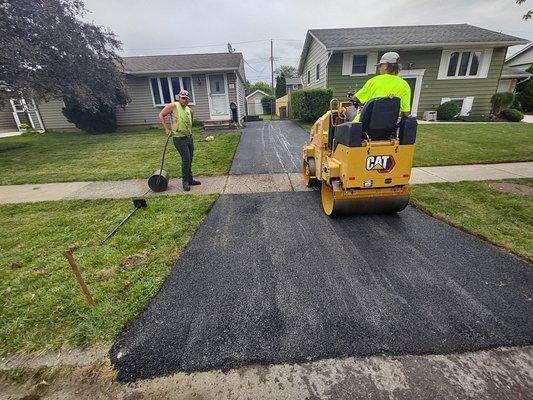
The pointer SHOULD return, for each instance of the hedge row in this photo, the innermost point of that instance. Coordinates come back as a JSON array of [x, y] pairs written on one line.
[[310, 104]]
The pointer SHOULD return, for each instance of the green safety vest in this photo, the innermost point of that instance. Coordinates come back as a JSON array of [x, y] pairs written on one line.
[[182, 120]]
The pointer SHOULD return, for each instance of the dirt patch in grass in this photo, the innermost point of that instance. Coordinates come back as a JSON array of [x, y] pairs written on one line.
[[134, 260], [514, 188]]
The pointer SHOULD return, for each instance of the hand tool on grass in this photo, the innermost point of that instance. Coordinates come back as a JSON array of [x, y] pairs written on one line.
[[137, 203]]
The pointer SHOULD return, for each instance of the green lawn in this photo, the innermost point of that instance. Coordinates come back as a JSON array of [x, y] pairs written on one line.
[[501, 218], [42, 306], [451, 144], [61, 157]]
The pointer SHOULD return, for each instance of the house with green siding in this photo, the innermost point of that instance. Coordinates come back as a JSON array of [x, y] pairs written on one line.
[[460, 63]]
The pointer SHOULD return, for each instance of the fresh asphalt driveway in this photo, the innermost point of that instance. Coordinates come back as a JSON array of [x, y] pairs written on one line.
[[269, 279], [269, 147]]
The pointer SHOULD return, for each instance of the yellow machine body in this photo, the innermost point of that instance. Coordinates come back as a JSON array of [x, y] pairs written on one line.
[[372, 178]]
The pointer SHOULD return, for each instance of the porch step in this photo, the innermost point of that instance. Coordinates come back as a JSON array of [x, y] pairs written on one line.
[[216, 124]]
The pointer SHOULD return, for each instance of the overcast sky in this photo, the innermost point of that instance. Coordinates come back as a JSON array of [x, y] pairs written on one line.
[[205, 26]]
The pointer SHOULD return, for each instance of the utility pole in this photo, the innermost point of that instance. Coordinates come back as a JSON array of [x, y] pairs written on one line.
[[272, 64], [272, 106]]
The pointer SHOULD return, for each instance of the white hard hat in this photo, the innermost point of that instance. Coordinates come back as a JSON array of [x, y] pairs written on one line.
[[390, 57]]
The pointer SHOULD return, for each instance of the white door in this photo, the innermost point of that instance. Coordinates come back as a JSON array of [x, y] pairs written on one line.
[[218, 96]]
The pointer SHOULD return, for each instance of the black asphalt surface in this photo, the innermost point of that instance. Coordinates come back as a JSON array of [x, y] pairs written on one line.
[[269, 147], [269, 279]]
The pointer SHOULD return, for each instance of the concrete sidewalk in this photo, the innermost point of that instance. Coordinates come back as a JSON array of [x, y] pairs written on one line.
[[241, 184]]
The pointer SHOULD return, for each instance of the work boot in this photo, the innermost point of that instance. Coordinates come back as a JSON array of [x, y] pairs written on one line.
[[192, 182], [186, 186]]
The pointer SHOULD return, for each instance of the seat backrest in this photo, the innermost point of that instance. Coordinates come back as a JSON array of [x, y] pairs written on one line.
[[380, 117]]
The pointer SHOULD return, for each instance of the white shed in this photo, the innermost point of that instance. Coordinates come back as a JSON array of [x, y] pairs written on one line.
[[253, 102]]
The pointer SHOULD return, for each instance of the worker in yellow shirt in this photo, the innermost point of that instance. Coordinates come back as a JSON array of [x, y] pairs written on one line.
[[386, 84]]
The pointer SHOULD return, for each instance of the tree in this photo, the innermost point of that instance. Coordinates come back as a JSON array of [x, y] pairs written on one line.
[[524, 93], [47, 51], [263, 86], [286, 71], [528, 14], [281, 86]]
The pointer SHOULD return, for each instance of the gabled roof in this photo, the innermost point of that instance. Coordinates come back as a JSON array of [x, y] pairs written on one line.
[[406, 37], [257, 91], [293, 80], [511, 72], [208, 62], [521, 51]]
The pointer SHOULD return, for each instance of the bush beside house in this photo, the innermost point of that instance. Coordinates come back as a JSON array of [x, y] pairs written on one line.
[[310, 104], [447, 111], [511, 115]]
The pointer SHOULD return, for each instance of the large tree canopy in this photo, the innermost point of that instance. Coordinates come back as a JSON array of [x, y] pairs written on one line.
[[47, 51]]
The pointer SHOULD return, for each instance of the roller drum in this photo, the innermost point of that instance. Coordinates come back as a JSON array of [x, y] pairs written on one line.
[[158, 182]]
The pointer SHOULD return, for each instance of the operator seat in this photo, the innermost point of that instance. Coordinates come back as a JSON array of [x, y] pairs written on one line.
[[378, 121]]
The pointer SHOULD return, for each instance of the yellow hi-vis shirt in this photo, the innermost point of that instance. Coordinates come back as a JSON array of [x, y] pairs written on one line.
[[182, 124], [385, 85]]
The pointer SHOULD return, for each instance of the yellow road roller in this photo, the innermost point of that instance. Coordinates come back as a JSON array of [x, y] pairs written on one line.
[[363, 167]]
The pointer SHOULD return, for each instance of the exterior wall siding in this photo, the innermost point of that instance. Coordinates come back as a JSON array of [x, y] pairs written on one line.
[[241, 100], [522, 61], [140, 110], [232, 92], [201, 101], [317, 54], [433, 90], [7, 122], [53, 118]]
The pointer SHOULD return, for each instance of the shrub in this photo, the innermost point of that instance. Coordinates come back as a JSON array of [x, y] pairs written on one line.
[[511, 115], [501, 101], [101, 119], [524, 93], [268, 103], [446, 111], [310, 104]]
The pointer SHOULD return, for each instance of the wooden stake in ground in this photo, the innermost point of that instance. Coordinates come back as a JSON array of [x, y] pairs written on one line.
[[79, 278]]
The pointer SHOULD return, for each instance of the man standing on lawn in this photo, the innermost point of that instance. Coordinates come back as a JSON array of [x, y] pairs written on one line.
[[181, 128]]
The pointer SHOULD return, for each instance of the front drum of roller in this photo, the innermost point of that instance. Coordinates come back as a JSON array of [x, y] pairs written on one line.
[[158, 182]]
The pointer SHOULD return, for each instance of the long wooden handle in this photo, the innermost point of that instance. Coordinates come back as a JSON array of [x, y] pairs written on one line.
[[79, 278]]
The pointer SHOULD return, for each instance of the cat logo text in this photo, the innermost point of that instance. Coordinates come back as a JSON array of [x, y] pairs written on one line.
[[381, 164]]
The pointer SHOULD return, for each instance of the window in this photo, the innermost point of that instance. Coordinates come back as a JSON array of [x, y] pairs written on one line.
[[165, 89], [465, 104], [317, 72], [463, 63], [359, 64], [308, 77]]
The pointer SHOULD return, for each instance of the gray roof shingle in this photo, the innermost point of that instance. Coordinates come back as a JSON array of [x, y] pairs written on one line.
[[423, 35], [182, 63]]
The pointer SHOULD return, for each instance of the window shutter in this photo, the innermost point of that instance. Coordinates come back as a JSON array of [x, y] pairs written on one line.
[[485, 63], [467, 105], [443, 67], [347, 60], [371, 61]]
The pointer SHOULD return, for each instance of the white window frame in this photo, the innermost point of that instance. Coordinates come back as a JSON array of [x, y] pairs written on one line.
[[466, 107], [169, 83], [371, 61], [483, 68]]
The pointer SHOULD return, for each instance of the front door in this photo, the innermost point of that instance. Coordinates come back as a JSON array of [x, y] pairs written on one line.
[[218, 96]]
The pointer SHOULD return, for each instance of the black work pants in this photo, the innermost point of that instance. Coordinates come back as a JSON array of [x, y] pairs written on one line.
[[185, 147]]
